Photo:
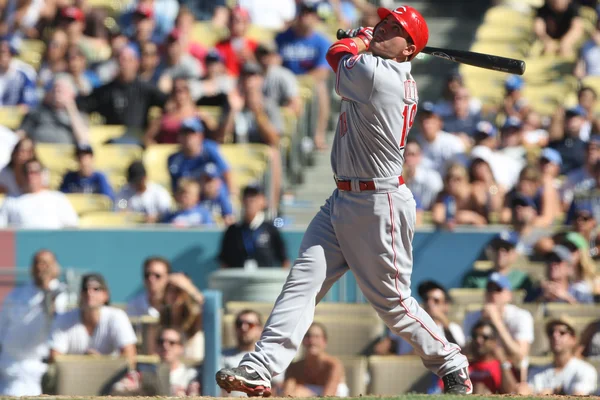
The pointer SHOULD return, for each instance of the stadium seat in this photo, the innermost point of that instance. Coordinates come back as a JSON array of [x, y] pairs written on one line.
[[11, 117], [87, 375], [100, 134], [84, 203], [508, 17], [503, 33], [348, 335], [261, 34], [155, 160], [145, 328], [392, 375], [206, 34], [572, 310], [116, 158], [32, 51], [110, 219], [462, 296], [355, 369]]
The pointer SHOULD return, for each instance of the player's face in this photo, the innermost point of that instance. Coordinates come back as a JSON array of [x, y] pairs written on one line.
[[169, 346], [314, 342], [391, 41]]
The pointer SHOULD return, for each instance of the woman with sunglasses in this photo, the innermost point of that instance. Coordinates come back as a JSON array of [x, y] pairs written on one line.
[[12, 177]]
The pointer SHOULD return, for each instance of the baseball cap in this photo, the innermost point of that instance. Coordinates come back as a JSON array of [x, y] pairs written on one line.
[[559, 253], [210, 171], [136, 172], [99, 279], [213, 56], [512, 123], [485, 128], [413, 23], [514, 82], [144, 11], [251, 68], [265, 48], [506, 239], [551, 155], [14, 43], [252, 190], [499, 280], [561, 320], [429, 108], [311, 6], [577, 111], [174, 35], [83, 149], [74, 13], [521, 200], [191, 124], [241, 11]]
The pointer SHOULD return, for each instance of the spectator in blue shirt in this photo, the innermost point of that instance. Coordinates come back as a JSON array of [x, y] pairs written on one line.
[[163, 11], [17, 78], [215, 196], [587, 197], [86, 179], [303, 51], [195, 153], [189, 212]]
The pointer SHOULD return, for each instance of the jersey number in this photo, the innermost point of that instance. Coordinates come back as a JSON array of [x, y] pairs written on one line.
[[409, 113]]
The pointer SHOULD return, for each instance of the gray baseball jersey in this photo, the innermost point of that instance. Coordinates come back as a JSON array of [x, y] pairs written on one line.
[[381, 104]]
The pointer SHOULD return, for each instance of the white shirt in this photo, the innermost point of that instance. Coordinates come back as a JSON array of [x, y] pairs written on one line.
[[181, 377], [24, 329], [506, 169], [518, 321], [577, 376], [47, 209], [426, 184], [139, 306], [155, 200], [270, 14], [403, 347], [114, 331], [8, 140], [442, 150]]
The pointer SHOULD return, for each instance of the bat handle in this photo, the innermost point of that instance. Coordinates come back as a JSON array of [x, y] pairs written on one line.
[[341, 34]]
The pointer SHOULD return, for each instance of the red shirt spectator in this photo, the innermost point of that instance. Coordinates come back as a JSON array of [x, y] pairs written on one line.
[[237, 49], [488, 373]]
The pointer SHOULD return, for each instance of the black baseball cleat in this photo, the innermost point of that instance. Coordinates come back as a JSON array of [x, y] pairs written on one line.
[[243, 379], [458, 382]]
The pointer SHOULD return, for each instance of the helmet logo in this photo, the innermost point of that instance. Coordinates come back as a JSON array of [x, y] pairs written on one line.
[[400, 10]]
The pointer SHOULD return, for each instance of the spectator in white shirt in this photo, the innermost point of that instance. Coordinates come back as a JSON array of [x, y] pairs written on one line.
[[12, 176], [149, 301], [94, 327], [273, 15], [566, 374], [141, 195], [17, 78], [25, 322], [425, 183], [439, 148], [8, 140], [248, 327], [514, 325], [37, 208]]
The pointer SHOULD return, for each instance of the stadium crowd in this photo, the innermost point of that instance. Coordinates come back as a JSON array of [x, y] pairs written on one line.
[[145, 69]]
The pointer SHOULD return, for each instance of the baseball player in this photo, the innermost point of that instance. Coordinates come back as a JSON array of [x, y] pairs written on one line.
[[367, 225]]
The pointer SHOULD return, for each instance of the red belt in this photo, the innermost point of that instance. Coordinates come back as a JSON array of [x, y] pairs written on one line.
[[362, 185]]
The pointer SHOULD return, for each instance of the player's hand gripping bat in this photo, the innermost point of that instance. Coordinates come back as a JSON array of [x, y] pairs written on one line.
[[480, 60]]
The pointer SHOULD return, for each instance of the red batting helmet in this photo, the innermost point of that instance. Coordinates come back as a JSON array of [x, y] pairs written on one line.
[[413, 23]]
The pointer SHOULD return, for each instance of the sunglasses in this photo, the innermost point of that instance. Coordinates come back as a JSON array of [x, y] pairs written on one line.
[[147, 275], [584, 217], [484, 337], [240, 323], [560, 331], [92, 288], [436, 300], [162, 341]]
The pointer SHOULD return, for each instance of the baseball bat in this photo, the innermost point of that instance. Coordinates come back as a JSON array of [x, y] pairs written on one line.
[[480, 60]]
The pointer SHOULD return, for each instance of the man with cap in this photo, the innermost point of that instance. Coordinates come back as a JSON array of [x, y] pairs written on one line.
[[238, 48], [280, 84], [189, 212], [582, 178], [511, 140], [586, 196], [462, 121], [303, 51], [195, 152], [215, 86], [86, 179], [566, 374], [550, 164], [162, 13], [177, 63], [143, 24], [17, 78], [143, 196], [569, 145], [214, 194], [515, 104], [503, 254], [94, 327], [558, 286], [439, 148], [513, 324], [271, 15]]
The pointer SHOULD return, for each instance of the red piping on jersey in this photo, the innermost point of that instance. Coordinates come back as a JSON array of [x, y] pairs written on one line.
[[445, 343], [338, 50]]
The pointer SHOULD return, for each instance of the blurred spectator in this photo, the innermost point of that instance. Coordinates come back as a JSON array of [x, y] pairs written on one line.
[[238, 48], [143, 25], [564, 134], [54, 60], [143, 196], [13, 178], [536, 192], [586, 197], [582, 179], [85, 79], [513, 324], [588, 63], [587, 98], [515, 104], [248, 327], [347, 12], [280, 85], [589, 344], [163, 12], [72, 20], [454, 82], [185, 25], [156, 276], [149, 61], [195, 153], [108, 70], [8, 141], [253, 240], [439, 147], [17, 78], [462, 121], [503, 254], [558, 285], [183, 380], [534, 133], [214, 11], [25, 320], [436, 302], [21, 16], [523, 213], [550, 162], [558, 27], [57, 119], [511, 140], [423, 182], [125, 100], [86, 179], [177, 63], [183, 310], [566, 374], [214, 87], [275, 16], [303, 51], [112, 332], [189, 213], [327, 376], [485, 188], [37, 207], [456, 203], [489, 368], [215, 196], [585, 278]]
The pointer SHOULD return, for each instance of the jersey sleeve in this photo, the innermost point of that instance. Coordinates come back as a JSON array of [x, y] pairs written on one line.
[[355, 77]]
